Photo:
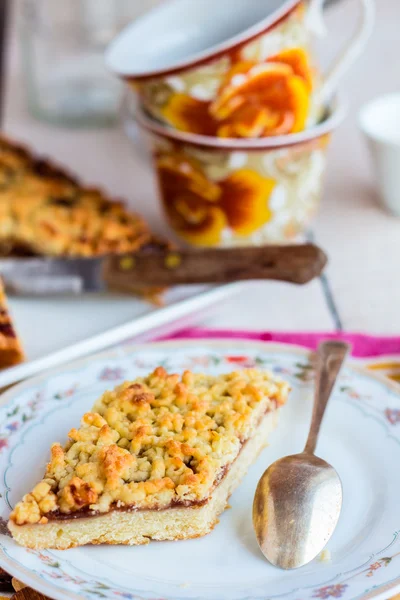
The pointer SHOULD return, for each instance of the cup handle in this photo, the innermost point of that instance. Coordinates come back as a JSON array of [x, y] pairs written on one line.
[[316, 24]]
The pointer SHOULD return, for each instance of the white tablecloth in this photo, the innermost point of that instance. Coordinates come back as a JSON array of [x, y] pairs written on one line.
[[361, 291]]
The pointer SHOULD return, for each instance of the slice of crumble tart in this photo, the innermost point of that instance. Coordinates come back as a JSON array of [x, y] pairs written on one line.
[[156, 459], [11, 352], [44, 210]]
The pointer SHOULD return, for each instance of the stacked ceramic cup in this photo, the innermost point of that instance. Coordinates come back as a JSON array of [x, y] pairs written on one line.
[[238, 113]]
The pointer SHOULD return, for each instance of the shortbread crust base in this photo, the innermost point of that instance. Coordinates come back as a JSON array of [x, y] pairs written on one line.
[[141, 526]]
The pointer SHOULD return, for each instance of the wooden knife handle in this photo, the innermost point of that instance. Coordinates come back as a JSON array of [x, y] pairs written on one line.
[[165, 267]]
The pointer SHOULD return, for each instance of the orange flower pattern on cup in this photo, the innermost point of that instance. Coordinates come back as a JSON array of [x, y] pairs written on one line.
[[199, 209], [254, 100], [233, 195]]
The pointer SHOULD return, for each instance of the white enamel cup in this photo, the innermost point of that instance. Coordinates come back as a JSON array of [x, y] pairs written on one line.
[[380, 122], [185, 58]]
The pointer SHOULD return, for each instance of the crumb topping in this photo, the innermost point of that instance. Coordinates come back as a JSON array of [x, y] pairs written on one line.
[[158, 441], [44, 210], [11, 352]]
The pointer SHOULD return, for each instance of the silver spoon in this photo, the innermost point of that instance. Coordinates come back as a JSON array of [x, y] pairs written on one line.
[[299, 498]]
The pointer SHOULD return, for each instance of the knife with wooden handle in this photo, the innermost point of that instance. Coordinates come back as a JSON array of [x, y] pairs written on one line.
[[162, 267]]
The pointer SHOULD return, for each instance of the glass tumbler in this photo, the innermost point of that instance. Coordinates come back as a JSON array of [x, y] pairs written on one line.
[[63, 44]]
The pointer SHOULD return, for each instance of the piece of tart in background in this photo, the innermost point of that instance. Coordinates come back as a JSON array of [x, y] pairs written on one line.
[[46, 211], [156, 459], [11, 352]]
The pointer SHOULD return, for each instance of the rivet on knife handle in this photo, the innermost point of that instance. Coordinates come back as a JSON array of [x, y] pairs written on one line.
[[173, 260], [127, 263], [296, 264]]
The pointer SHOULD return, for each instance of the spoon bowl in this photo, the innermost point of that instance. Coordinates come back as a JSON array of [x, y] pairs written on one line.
[[303, 502], [298, 499]]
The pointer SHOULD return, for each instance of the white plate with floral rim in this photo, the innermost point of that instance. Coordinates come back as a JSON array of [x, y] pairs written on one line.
[[360, 437]]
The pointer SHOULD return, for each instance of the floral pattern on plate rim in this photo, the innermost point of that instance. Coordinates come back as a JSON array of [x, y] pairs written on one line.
[[300, 370]]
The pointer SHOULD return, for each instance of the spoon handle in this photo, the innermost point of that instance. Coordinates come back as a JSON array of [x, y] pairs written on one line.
[[330, 358]]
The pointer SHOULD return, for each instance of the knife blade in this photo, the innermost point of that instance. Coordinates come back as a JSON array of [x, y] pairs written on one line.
[[161, 267]]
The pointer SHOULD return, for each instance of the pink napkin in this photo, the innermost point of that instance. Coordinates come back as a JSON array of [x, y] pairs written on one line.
[[378, 353]]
